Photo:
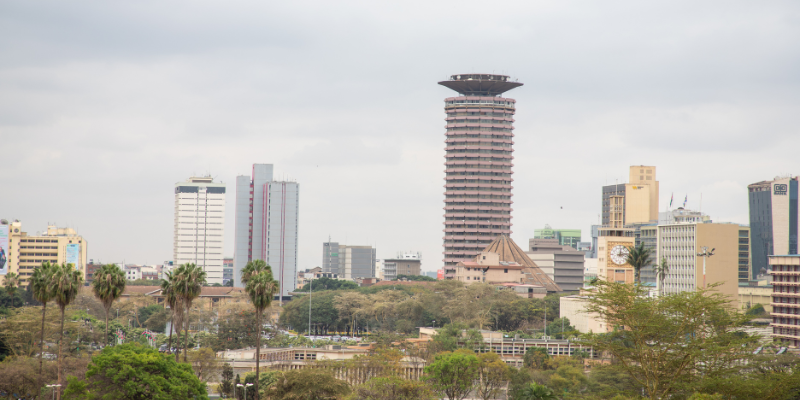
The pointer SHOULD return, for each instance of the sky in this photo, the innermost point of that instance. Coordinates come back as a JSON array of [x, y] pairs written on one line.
[[104, 106]]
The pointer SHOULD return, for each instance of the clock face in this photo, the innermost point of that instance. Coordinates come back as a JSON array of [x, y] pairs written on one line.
[[619, 254]]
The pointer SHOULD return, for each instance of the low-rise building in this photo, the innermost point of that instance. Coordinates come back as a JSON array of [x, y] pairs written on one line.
[[403, 264], [488, 268], [749, 296]]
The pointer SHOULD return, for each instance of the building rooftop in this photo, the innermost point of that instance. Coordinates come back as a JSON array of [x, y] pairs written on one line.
[[480, 84]]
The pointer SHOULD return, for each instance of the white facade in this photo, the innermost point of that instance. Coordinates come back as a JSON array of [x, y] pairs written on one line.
[[678, 245], [199, 225], [267, 226]]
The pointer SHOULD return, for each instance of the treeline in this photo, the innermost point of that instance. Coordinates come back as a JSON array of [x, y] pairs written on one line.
[[404, 308]]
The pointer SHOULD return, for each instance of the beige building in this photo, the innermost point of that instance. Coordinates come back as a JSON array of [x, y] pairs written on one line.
[[641, 195], [403, 264], [56, 245], [488, 268], [749, 296], [573, 308], [680, 245]]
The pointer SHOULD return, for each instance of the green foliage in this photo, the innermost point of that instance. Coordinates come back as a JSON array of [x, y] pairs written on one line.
[[561, 329], [638, 257], [308, 384], [534, 391], [235, 331], [415, 278], [756, 310], [668, 343], [493, 374], [453, 374], [132, 371], [261, 288], [392, 388], [324, 314], [108, 284], [322, 284], [606, 381], [536, 358]]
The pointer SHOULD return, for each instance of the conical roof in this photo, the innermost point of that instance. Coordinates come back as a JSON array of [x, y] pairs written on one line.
[[505, 247]]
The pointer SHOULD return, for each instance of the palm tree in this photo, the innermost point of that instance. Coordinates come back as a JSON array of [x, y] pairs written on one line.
[[11, 283], [41, 285], [66, 283], [261, 287], [638, 258], [172, 301], [108, 285], [191, 279], [662, 270], [535, 391]]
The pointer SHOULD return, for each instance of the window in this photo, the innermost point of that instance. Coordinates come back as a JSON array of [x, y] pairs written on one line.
[[505, 270]]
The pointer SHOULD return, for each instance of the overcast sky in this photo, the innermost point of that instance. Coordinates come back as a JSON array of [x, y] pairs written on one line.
[[105, 105]]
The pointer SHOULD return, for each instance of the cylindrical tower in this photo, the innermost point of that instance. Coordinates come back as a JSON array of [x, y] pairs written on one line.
[[478, 161]]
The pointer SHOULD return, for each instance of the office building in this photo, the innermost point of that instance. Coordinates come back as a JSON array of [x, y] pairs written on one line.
[[774, 221], [199, 229], [266, 226], [639, 198], [786, 299], [593, 249], [486, 267], [349, 262], [478, 164], [227, 270], [565, 237], [404, 264], [681, 243], [22, 253], [562, 263]]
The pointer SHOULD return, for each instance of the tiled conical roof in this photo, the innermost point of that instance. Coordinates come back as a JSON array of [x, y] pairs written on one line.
[[505, 247]]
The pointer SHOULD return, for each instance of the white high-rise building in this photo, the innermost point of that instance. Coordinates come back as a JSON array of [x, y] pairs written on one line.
[[199, 225], [266, 225]]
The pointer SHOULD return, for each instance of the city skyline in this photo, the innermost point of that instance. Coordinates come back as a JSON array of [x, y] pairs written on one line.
[[128, 104]]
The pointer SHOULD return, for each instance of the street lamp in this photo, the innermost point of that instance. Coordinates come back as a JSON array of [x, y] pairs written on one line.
[[54, 389], [705, 254], [246, 385]]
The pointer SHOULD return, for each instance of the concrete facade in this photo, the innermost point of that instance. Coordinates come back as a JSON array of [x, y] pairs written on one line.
[[786, 299], [26, 252], [267, 219], [199, 229], [680, 244], [403, 264], [637, 200], [348, 262], [573, 308], [565, 262], [487, 268], [478, 164]]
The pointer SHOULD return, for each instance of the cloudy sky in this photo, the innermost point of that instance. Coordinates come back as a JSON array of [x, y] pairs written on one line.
[[104, 106]]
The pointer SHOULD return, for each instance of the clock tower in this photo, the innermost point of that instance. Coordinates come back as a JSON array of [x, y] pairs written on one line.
[[613, 243]]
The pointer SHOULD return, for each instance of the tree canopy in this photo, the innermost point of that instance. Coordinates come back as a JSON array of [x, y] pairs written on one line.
[[133, 371]]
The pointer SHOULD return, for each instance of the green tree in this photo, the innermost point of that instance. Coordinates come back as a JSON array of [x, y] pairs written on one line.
[[133, 371], [493, 374], [43, 291], [534, 391], [667, 343], [308, 384], [191, 279], [172, 301], [638, 257], [66, 283], [11, 284], [453, 374], [536, 358], [561, 329], [235, 330], [392, 388], [322, 284], [662, 269], [261, 288], [415, 278], [225, 387], [108, 285], [756, 310]]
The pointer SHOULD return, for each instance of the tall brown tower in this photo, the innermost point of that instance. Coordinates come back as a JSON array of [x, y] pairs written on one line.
[[478, 164]]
